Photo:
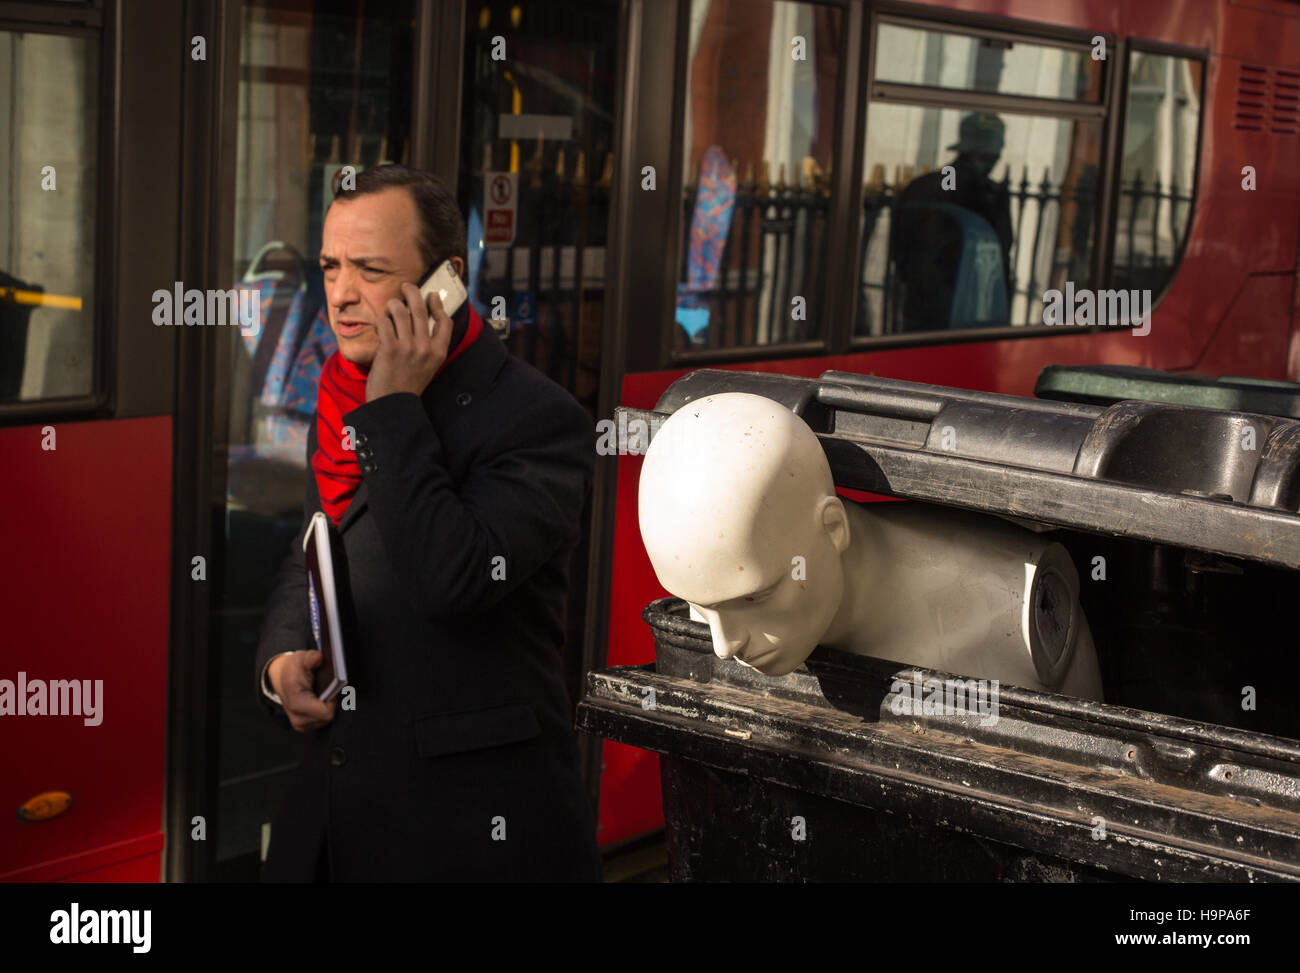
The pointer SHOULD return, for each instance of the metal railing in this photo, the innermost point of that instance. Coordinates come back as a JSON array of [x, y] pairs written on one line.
[[776, 237], [773, 253], [563, 215]]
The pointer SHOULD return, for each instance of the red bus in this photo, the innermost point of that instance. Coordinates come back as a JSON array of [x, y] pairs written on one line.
[[720, 183]]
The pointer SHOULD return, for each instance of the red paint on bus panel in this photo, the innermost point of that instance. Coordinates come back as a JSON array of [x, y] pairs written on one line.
[[85, 576]]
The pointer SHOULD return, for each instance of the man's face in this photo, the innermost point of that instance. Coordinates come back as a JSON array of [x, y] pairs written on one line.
[[984, 161], [774, 627], [368, 250]]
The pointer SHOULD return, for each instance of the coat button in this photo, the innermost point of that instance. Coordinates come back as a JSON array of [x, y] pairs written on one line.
[[361, 439], [338, 757], [463, 398]]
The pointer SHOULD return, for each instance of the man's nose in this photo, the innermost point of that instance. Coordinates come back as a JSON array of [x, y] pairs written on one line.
[[341, 292], [726, 641]]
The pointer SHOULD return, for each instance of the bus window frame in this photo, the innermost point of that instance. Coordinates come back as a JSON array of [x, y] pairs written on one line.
[[857, 77], [89, 13], [1200, 56], [1072, 42], [669, 354], [1105, 111], [90, 22]]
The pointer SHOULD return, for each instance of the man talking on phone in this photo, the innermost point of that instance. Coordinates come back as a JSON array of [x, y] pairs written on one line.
[[454, 476]]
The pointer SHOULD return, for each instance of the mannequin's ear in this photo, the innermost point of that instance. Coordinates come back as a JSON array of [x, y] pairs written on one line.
[[835, 521]]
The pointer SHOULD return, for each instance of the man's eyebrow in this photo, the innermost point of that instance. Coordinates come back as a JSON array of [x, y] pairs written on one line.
[[357, 260]]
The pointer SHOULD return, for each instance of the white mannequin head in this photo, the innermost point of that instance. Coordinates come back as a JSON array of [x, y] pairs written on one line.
[[734, 489]]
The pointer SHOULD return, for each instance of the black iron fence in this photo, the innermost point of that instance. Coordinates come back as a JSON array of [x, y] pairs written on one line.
[[773, 251], [1150, 268], [773, 254], [550, 280]]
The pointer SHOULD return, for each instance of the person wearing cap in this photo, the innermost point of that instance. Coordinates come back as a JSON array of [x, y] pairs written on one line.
[[927, 244], [454, 476]]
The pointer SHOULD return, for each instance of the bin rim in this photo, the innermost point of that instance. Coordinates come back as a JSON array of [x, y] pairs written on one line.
[[663, 616]]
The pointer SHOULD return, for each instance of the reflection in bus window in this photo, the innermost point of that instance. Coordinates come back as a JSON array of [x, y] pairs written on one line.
[[968, 217], [759, 137], [910, 55], [952, 235], [1158, 177], [302, 119], [48, 143], [537, 130], [322, 86]]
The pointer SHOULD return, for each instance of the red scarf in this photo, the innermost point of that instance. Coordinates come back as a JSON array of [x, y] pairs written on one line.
[[342, 389]]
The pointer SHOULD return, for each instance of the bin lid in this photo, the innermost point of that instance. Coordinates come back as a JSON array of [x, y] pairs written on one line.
[[1215, 480], [1108, 384]]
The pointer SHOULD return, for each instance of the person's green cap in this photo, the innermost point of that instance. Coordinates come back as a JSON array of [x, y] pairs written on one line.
[[981, 132]]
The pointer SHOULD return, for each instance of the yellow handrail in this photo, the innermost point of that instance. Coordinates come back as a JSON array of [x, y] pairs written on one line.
[[516, 107], [14, 296]]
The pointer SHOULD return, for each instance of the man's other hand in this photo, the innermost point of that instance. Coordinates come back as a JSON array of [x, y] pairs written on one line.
[[291, 678], [408, 357]]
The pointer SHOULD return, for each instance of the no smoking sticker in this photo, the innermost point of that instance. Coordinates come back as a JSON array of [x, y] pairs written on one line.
[[500, 205]]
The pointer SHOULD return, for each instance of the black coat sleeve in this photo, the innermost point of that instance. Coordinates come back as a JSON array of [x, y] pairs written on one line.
[[464, 547], [286, 626]]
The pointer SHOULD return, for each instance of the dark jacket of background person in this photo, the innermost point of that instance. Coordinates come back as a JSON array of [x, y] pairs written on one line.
[[927, 247], [462, 717]]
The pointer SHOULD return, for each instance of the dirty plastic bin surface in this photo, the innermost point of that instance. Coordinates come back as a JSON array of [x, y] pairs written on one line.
[[921, 797], [832, 772]]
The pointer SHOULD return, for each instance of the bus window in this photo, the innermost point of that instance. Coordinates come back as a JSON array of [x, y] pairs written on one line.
[[1158, 179], [943, 59], [969, 214], [759, 135], [48, 141]]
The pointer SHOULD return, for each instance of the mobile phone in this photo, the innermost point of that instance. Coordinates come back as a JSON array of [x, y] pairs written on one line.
[[447, 283]]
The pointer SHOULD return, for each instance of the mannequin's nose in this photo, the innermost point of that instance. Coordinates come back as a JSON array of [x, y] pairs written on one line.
[[726, 643]]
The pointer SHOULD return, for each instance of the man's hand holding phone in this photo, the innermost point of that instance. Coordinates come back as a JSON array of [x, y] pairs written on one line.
[[408, 357], [290, 675]]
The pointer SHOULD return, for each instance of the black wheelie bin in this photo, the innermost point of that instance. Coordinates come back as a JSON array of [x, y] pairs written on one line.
[[1190, 769]]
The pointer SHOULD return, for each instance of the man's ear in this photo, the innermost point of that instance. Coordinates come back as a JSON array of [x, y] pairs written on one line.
[[460, 269], [835, 521]]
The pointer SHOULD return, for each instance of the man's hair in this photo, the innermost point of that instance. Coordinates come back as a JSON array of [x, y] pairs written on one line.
[[442, 228]]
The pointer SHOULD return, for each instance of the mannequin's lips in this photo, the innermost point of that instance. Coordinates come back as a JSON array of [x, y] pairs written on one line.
[[756, 661]]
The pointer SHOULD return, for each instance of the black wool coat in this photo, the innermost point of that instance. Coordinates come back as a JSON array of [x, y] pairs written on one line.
[[459, 761]]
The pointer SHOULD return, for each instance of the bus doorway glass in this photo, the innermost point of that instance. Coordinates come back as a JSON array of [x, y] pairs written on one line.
[[536, 165], [322, 85]]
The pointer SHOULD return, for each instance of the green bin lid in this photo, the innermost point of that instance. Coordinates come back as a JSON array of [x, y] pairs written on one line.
[[1108, 384]]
